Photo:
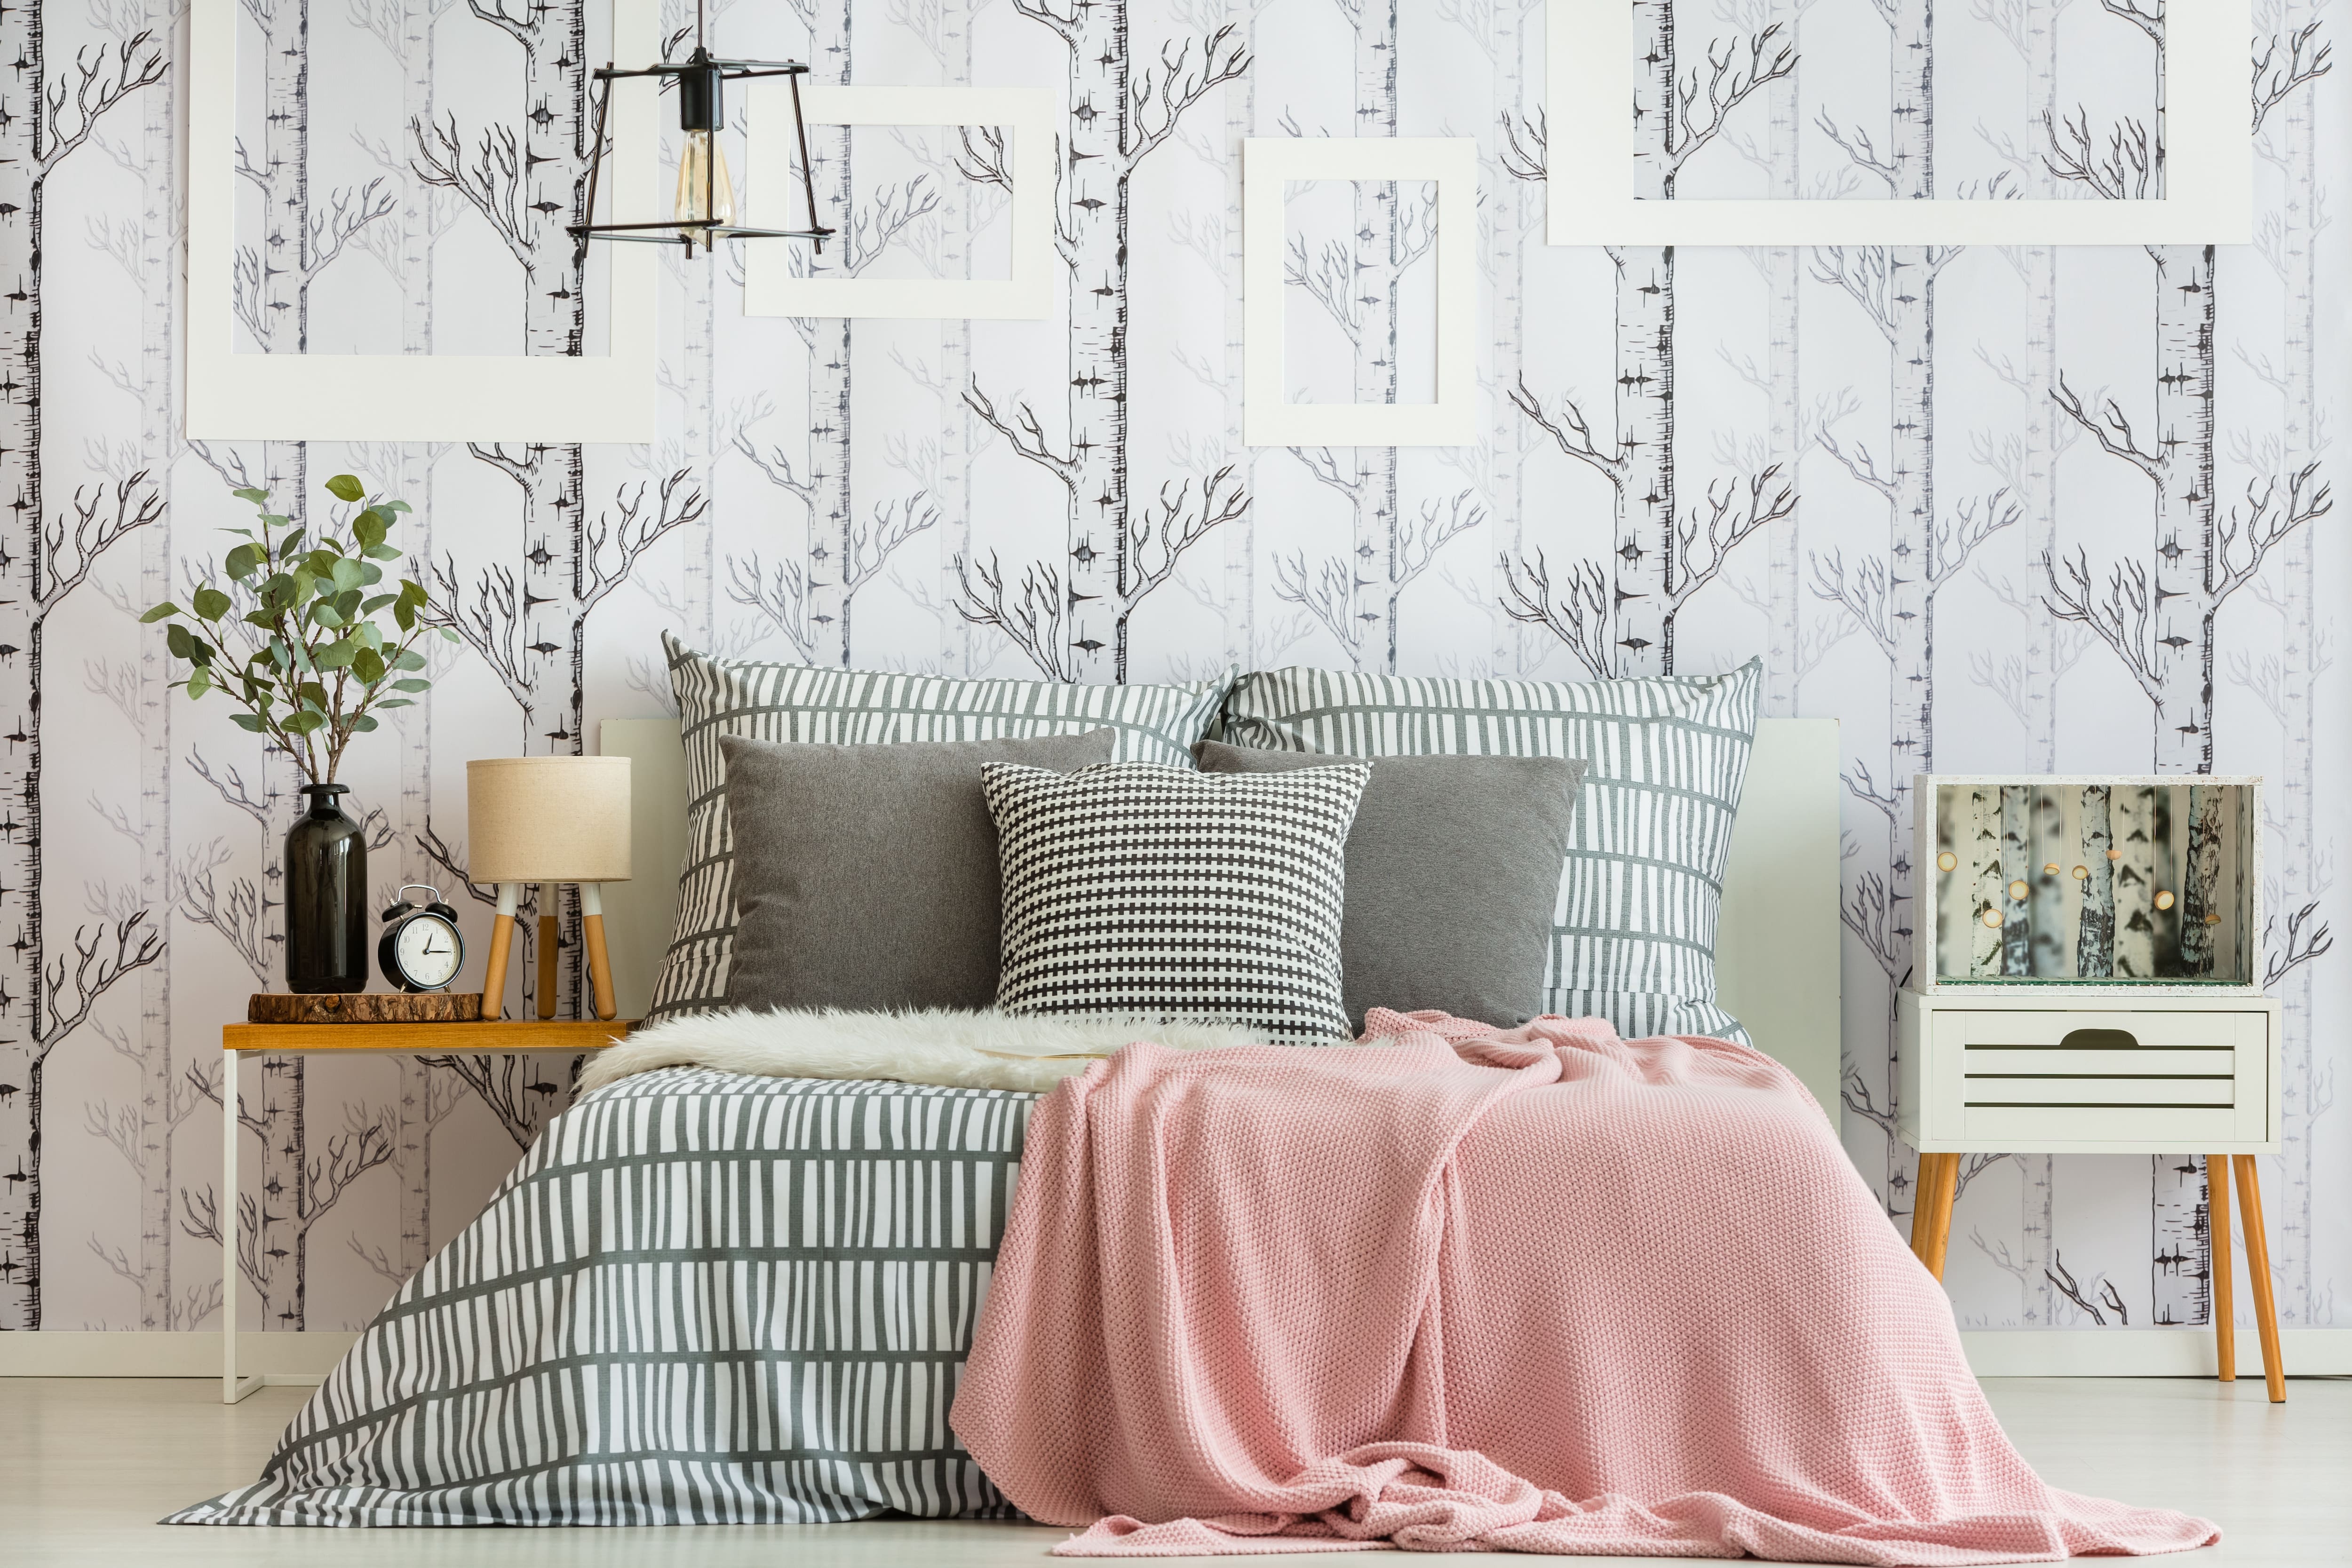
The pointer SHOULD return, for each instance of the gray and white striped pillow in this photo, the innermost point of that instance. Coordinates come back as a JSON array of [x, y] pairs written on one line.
[[1135, 889], [865, 708], [1633, 931]]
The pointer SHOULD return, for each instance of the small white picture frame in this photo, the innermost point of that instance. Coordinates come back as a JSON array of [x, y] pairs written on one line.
[[230, 396], [1589, 172], [1026, 114], [1269, 164]]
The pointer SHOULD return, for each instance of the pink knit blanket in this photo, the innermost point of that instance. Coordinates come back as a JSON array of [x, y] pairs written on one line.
[[1547, 1290]]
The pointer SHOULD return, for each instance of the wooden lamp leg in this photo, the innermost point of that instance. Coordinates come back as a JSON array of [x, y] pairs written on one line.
[[2225, 1321], [600, 962], [2258, 1264], [547, 920], [494, 978]]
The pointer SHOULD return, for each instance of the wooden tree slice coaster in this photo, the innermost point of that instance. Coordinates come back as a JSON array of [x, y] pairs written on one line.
[[366, 1007]]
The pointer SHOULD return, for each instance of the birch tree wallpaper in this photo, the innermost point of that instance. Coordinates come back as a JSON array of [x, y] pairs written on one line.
[[1996, 508]]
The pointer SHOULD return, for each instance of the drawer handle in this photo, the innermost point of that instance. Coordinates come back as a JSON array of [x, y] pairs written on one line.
[[2098, 1039]]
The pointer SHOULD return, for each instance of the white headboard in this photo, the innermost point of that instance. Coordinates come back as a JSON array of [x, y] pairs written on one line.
[[1775, 953]]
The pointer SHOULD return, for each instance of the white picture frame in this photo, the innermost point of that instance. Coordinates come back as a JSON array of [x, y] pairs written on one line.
[[230, 396], [1027, 114], [1589, 172], [1269, 164]]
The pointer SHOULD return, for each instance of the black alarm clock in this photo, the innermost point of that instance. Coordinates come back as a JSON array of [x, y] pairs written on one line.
[[420, 949]]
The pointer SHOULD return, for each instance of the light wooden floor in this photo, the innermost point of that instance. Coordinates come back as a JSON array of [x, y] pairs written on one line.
[[86, 1466]]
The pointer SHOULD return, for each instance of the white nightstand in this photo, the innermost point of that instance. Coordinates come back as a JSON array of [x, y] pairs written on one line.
[[2073, 1069]]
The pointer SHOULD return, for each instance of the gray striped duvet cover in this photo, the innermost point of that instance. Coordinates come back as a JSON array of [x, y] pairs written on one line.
[[701, 1298]]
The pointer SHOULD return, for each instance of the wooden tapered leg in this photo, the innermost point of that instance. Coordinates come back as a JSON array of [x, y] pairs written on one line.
[[2258, 1265], [1923, 1204], [547, 907], [1931, 1217], [494, 977], [2225, 1324], [1939, 1234]]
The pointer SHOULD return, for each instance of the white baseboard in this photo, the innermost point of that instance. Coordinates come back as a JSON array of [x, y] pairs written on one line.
[[1992, 1352], [2147, 1353], [281, 1357]]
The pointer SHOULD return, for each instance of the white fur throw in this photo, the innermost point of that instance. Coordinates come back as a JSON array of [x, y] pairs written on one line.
[[984, 1050]]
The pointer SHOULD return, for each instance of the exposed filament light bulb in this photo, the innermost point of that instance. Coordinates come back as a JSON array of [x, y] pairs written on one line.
[[706, 197]]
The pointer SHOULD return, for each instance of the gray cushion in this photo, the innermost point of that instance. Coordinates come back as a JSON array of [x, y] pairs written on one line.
[[1452, 870], [866, 876]]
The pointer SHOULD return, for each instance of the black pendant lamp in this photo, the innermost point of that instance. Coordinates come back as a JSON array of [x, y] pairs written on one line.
[[705, 211]]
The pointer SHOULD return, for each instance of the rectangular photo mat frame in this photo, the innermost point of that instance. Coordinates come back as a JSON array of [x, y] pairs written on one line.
[[1589, 193], [1269, 164], [233, 396]]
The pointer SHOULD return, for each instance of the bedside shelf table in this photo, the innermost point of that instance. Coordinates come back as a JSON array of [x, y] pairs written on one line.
[[2081, 1069], [502, 1038]]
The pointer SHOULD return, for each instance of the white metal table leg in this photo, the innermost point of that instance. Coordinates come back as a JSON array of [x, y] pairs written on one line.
[[233, 1388]]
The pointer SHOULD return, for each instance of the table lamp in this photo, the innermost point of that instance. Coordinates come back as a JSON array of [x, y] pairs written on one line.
[[548, 820]]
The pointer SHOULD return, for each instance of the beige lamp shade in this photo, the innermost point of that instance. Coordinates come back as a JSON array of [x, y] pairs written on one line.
[[547, 819]]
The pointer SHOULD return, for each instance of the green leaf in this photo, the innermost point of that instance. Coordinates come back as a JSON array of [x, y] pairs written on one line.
[[346, 573], [375, 601], [369, 635], [324, 613], [371, 575], [445, 632], [243, 560], [410, 659], [200, 681], [200, 653], [393, 506], [381, 552], [272, 520], [256, 497], [211, 604], [413, 590], [368, 665], [334, 656], [345, 487], [404, 616], [161, 611], [368, 527], [396, 702], [304, 723], [246, 721], [411, 686], [362, 723], [176, 638], [290, 543], [313, 696]]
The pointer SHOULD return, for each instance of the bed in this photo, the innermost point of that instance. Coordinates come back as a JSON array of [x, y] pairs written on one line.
[[596, 1307]]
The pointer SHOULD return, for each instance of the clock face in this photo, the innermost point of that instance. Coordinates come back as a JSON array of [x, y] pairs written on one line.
[[428, 951]]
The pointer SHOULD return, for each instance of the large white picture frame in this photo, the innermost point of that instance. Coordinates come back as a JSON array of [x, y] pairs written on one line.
[[231, 396], [1589, 172], [1027, 113], [1268, 165]]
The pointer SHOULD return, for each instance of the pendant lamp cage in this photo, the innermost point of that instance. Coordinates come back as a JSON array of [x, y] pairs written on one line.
[[704, 206]]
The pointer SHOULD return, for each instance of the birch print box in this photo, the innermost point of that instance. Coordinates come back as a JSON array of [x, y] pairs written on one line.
[[2116, 881]]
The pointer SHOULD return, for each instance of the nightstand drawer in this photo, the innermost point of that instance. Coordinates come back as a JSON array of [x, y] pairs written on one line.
[[2045, 1077]]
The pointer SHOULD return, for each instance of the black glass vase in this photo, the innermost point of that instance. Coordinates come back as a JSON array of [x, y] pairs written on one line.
[[327, 936]]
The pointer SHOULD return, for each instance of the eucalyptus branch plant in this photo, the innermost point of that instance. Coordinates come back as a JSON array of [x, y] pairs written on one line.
[[295, 642]]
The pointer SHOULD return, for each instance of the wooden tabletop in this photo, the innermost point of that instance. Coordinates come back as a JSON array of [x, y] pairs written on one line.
[[509, 1034]]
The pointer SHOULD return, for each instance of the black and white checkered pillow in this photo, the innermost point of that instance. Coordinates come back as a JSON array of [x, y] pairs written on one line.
[[1134, 888]]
